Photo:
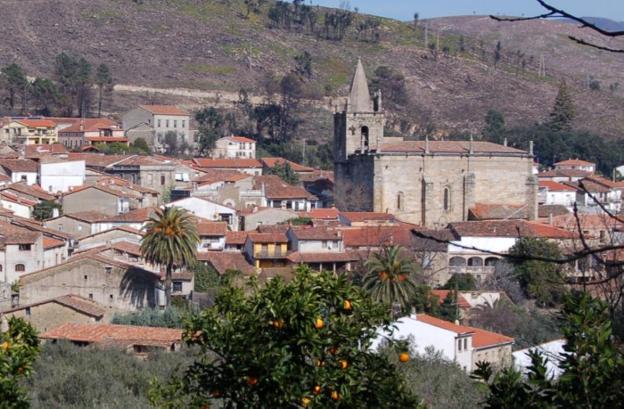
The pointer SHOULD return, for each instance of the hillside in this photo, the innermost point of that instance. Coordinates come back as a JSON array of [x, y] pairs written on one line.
[[212, 46]]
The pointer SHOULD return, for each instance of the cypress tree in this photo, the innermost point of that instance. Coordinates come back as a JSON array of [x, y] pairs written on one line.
[[563, 112]]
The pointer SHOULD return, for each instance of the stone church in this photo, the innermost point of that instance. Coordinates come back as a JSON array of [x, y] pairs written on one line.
[[429, 183]]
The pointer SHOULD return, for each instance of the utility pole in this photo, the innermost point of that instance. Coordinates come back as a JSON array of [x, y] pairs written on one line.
[[303, 149]]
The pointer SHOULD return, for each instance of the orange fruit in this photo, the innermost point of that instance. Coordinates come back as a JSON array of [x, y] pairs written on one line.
[[319, 323], [346, 305], [5, 346], [279, 324], [344, 364], [305, 402], [319, 363], [252, 380], [335, 395], [383, 276], [316, 390], [404, 357]]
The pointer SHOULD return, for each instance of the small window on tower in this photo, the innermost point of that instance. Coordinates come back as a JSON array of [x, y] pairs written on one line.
[[400, 201], [365, 141], [447, 199]]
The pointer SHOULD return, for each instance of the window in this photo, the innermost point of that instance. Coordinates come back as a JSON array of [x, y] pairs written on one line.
[[79, 228], [24, 178], [400, 200], [90, 296], [177, 287], [175, 123], [86, 277], [159, 124], [459, 344], [167, 123], [0, 267], [162, 180], [324, 244], [466, 343], [111, 298], [447, 199], [365, 142], [20, 268], [24, 247], [49, 188], [27, 311]]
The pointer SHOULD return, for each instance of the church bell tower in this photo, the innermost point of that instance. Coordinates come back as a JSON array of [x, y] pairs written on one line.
[[359, 128]]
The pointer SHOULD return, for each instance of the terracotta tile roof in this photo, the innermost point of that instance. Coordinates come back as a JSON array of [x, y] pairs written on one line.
[[554, 210], [555, 186], [117, 334], [32, 190], [482, 211], [367, 216], [140, 160], [208, 228], [97, 160], [480, 337], [38, 150], [215, 175], [275, 188], [227, 163], [272, 162], [236, 237], [50, 243], [11, 197], [12, 234], [574, 162], [442, 294], [241, 139], [377, 236], [568, 173], [107, 139], [37, 123], [133, 216], [119, 191], [127, 247], [88, 216], [19, 165], [590, 186], [267, 238], [316, 233], [322, 213], [450, 147], [75, 302], [509, 228], [164, 110], [323, 257], [223, 261], [602, 181], [120, 228], [89, 125]]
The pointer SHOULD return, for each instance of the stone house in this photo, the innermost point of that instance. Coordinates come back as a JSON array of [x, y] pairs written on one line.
[[74, 133], [280, 194], [429, 183], [458, 343], [153, 122], [255, 217], [134, 219], [145, 171], [78, 225], [111, 283], [233, 147], [17, 204], [48, 314], [98, 198], [211, 235], [266, 250], [576, 164], [110, 236], [321, 248], [21, 251]]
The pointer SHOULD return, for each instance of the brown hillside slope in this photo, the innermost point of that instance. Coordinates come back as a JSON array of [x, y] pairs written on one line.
[[209, 45]]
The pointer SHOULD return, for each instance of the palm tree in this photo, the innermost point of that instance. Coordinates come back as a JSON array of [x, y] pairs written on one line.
[[391, 278], [170, 241]]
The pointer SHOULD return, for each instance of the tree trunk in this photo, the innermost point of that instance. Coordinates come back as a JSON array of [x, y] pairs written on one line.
[[168, 276], [100, 102]]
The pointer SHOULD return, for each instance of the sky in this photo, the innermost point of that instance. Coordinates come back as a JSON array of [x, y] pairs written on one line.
[[405, 9]]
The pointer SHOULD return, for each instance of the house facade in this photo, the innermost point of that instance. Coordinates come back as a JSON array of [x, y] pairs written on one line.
[[234, 147], [153, 122]]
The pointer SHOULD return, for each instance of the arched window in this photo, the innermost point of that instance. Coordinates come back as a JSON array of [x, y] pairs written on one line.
[[20, 268], [447, 199], [400, 201], [365, 143]]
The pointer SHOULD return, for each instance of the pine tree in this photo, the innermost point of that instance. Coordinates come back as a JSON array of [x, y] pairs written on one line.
[[563, 111]]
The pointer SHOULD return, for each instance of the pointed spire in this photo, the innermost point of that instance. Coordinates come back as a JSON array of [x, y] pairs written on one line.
[[360, 99]]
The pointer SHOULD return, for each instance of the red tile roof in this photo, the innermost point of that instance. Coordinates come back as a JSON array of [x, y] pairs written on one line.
[[367, 216], [480, 338], [214, 176], [32, 190], [509, 228], [19, 165], [450, 147], [37, 123], [72, 301], [88, 125], [272, 162], [574, 162], [567, 173], [127, 247], [377, 236], [555, 186], [116, 334], [38, 150], [240, 139], [12, 234], [267, 238], [208, 228], [483, 211], [50, 243], [276, 189], [107, 139], [227, 163], [236, 237], [442, 294], [316, 233], [90, 216], [322, 213], [164, 110], [223, 261], [11, 197], [134, 216]]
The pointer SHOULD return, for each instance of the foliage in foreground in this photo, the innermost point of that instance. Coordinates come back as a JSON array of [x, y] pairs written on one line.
[[71, 377], [19, 347], [287, 345], [593, 366], [169, 318]]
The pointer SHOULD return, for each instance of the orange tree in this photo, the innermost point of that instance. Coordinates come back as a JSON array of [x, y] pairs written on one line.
[[305, 343], [19, 347]]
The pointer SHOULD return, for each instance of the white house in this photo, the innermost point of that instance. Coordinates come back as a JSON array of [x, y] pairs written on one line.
[[576, 164], [234, 147], [554, 193], [158, 120], [20, 170], [458, 343], [208, 210], [19, 206], [57, 175]]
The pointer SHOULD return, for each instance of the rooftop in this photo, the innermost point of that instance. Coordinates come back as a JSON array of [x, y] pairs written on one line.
[[449, 147], [208, 228], [110, 333], [72, 301], [19, 165], [509, 228], [227, 163], [574, 162], [164, 110], [316, 233], [272, 162], [480, 338]]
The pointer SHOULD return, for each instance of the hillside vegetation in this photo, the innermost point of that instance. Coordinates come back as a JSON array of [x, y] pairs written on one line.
[[451, 82]]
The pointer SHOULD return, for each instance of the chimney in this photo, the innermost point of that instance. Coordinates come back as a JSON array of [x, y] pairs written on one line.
[[82, 125], [550, 218]]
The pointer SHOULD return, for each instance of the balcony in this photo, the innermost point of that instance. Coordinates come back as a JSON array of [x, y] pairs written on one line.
[[266, 255]]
